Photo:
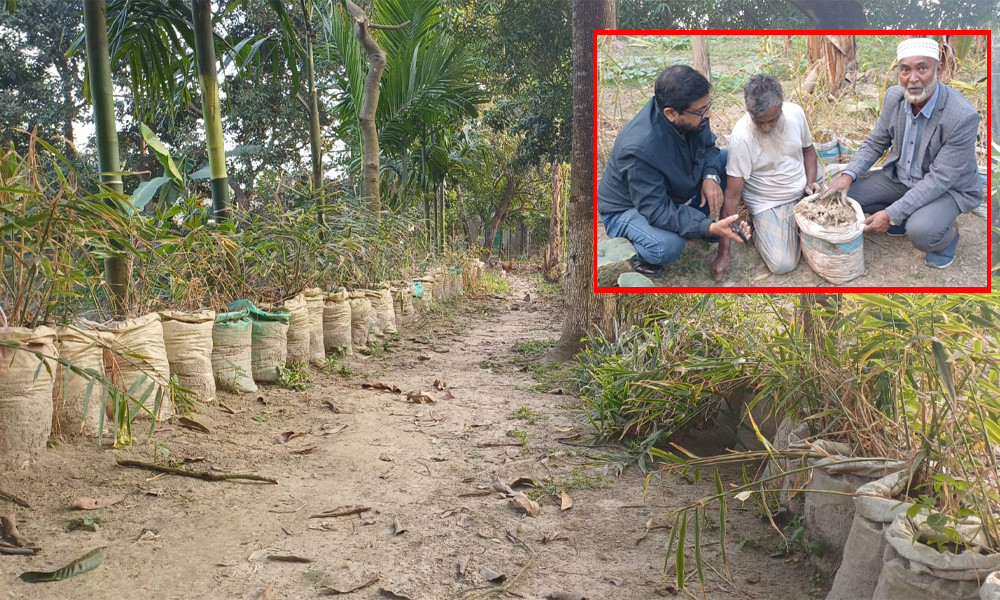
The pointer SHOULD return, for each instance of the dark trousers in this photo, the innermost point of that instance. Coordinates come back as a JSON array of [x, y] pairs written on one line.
[[930, 228]]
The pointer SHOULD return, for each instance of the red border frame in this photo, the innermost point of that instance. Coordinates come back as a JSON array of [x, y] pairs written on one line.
[[731, 289]]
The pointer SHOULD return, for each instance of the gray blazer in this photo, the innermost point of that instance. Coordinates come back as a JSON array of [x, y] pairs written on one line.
[[946, 152]]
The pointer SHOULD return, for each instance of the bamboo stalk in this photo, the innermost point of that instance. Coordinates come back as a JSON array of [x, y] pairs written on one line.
[[204, 48]]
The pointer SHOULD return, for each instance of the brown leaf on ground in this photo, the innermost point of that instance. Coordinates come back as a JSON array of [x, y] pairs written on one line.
[[530, 507], [553, 537], [420, 397], [566, 596], [502, 487], [397, 528], [306, 450], [491, 575], [448, 395], [268, 593], [394, 594], [439, 385], [523, 482], [567, 502], [385, 457], [194, 424], [289, 436], [227, 409], [331, 406], [378, 385], [463, 565], [335, 430], [148, 535], [96, 503], [348, 588], [289, 558]]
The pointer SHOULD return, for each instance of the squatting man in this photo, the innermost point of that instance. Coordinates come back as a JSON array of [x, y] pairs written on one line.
[[930, 175]]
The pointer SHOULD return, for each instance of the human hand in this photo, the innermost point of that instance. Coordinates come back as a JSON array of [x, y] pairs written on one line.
[[839, 185], [723, 228], [813, 188], [711, 192], [878, 222]]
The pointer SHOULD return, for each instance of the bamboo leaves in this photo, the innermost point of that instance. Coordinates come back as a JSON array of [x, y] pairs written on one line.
[[87, 562]]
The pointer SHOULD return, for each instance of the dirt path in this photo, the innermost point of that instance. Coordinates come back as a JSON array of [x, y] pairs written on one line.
[[435, 528]]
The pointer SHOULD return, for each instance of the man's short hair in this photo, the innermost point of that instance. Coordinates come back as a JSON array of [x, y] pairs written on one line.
[[678, 87], [762, 93]]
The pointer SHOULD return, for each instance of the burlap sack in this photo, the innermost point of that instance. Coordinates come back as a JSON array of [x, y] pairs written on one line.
[[25, 394], [337, 322], [74, 412], [361, 319], [375, 330], [314, 303], [384, 312], [187, 337], [430, 293], [232, 357], [876, 506], [914, 570], [137, 362], [298, 330]]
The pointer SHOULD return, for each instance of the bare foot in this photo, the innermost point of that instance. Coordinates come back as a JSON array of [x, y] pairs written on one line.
[[720, 266]]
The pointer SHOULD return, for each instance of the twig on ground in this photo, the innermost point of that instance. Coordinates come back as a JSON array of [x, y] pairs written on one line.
[[513, 581], [8, 496], [195, 474]]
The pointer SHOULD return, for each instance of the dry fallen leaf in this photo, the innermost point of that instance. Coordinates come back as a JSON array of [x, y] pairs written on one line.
[[448, 395], [420, 397], [268, 593], [331, 406], [289, 558], [491, 575], [394, 594], [463, 565], [192, 423], [306, 450], [566, 596], [335, 430], [96, 503], [342, 511], [385, 457], [288, 436], [348, 588], [148, 535], [502, 487], [529, 506], [397, 528], [567, 502], [378, 385], [523, 482], [465, 522], [226, 408], [553, 536], [439, 385]]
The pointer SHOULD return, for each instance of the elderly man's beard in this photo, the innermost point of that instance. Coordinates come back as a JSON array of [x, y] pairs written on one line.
[[771, 143], [923, 96]]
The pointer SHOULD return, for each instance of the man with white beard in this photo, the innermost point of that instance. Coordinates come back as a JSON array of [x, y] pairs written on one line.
[[930, 175], [772, 164]]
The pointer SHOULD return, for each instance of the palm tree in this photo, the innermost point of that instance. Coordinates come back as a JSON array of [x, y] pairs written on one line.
[[427, 85]]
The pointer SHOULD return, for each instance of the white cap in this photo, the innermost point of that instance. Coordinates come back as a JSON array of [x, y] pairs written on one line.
[[917, 47]]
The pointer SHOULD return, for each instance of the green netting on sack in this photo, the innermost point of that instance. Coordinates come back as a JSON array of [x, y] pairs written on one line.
[[257, 314], [269, 339]]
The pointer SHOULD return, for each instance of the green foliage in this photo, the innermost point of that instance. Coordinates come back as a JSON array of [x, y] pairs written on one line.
[[497, 286], [527, 415], [294, 377], [532, 349], [520, 435]]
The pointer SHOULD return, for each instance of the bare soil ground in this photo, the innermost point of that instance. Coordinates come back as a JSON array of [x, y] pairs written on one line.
[[435, 527]]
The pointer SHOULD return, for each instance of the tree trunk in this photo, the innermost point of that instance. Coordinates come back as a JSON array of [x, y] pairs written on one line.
[[366, 119], [553, 251], [66, 77], [833, 57], [204, 49], [498, 216], [116, 268], [585, 311], [315, 139], [702, 64]]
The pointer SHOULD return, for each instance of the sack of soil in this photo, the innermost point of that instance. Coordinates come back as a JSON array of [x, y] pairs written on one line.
[[402, 304], [912, 569], [876, 505], [25, 393], [298, 337], [375, 330], [187, 337], [362, 316], [232, 354], [991, 587], [337, 322], [427, 298], [832, 237], [314, 303], [136, 362], [268, 340], [74, 411], [384, 312]]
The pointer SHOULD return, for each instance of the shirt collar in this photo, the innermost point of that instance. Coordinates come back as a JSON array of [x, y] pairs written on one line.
[[928, 108]]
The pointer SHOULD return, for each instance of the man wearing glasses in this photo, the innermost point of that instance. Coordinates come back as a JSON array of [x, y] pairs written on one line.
[[664, 175], [930, 174]]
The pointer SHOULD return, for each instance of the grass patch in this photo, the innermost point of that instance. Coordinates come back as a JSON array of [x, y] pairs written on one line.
[[495, 285], [550, 288], [332, 366], [527, 415], [576, 480], [533, 349]]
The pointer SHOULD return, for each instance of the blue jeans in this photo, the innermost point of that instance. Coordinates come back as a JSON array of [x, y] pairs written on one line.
[[654, 245]]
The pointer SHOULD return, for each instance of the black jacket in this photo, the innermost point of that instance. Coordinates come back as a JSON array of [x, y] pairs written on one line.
[[655, 169]]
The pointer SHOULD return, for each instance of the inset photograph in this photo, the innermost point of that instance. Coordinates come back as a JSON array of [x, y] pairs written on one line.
[[789, 162]]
